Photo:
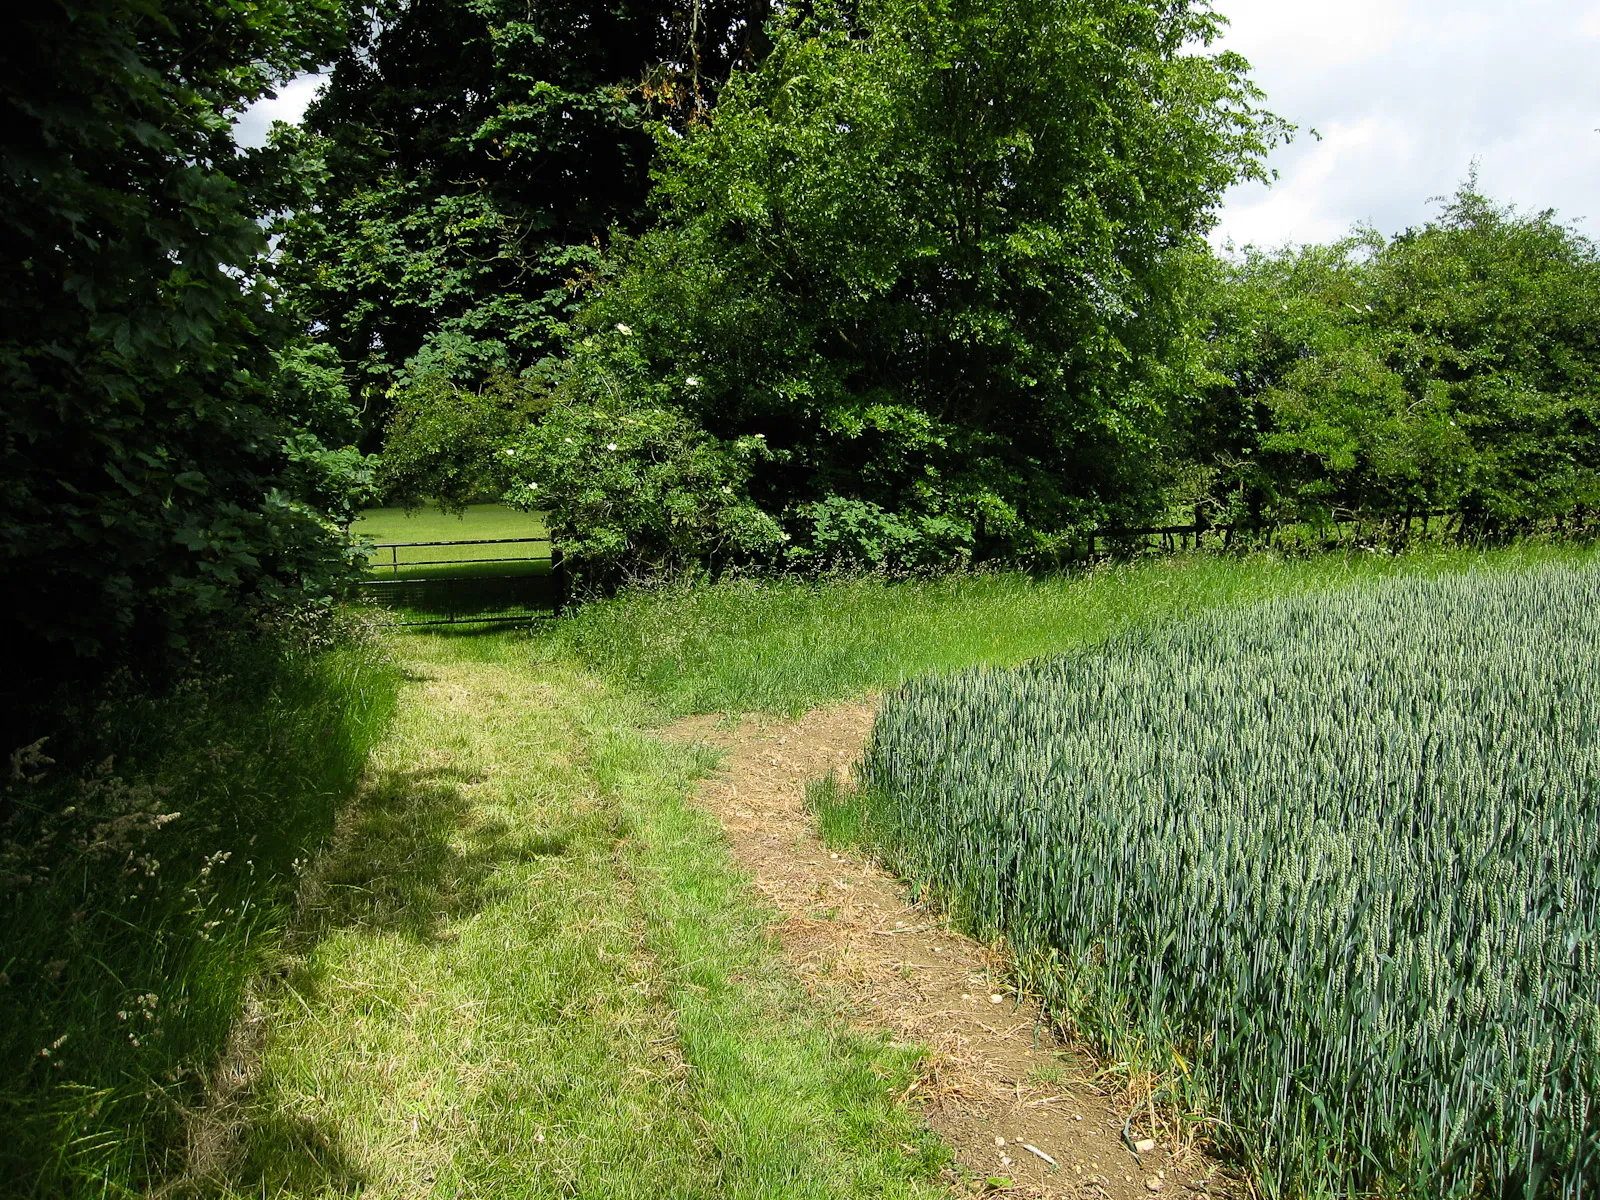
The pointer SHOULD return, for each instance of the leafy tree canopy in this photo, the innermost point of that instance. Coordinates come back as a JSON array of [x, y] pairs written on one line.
[[1456, 367], [449, 444], [163, 441], [936, 254], [467, 162]]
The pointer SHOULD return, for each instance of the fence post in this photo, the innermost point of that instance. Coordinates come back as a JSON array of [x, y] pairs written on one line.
[[558, 579]]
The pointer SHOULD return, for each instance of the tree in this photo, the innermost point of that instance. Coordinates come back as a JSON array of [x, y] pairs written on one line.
[[1305, 414], [448, 444], [465, 166], [1456, 366], [937, 254], [1497, 313], [164, 444]]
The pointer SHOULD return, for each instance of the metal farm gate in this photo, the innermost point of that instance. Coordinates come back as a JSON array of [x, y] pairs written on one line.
[[440, 588]]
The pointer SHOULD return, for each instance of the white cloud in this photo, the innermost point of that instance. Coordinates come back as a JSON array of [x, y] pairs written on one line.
[[289, 105], [1408, 94]]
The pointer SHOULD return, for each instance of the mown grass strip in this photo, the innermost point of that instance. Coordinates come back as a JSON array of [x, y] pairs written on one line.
[[529, 968], [796, 1104]]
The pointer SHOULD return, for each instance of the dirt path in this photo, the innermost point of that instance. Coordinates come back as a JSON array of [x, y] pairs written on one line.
[[998, 1088]]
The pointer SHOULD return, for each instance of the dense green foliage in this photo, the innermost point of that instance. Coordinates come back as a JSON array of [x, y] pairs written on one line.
[[139, 897], [467, 162], [1332, 863], [937, 256], [948, 261], [1455, 367], [448, 443], [635, 490], [923, 283], [175, 467], [164, 444]]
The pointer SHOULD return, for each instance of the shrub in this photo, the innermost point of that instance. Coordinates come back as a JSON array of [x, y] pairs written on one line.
[[446, 443], [634, 489], [840, 532]]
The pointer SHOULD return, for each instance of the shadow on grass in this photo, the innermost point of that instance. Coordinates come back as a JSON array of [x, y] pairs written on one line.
[[147, 875], [469, 630], [398, 861], [290, 1155], [411, 857]]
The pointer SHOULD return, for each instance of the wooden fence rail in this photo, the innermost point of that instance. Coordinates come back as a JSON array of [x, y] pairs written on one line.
[[474, 595]]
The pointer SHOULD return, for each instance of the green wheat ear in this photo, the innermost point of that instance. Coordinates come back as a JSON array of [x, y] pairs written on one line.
[[1337, 856]]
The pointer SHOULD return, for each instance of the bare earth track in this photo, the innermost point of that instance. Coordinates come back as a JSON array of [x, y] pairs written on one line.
[[998, 1086]]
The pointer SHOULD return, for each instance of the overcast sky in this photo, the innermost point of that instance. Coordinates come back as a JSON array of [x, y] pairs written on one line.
[[251, 129], [1406, 95]]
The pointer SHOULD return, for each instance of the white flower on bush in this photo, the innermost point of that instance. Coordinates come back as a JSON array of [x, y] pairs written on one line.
[[727, 491], [693, 381], [510, 453], [611, 445], [624, 330], [533, 487]]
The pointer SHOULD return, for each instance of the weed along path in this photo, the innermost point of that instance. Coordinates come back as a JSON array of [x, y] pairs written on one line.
[[1014, 1103]]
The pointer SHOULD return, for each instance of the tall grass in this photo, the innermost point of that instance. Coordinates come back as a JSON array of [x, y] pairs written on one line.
[[1333, 863], [789, 645], [147, 859]]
